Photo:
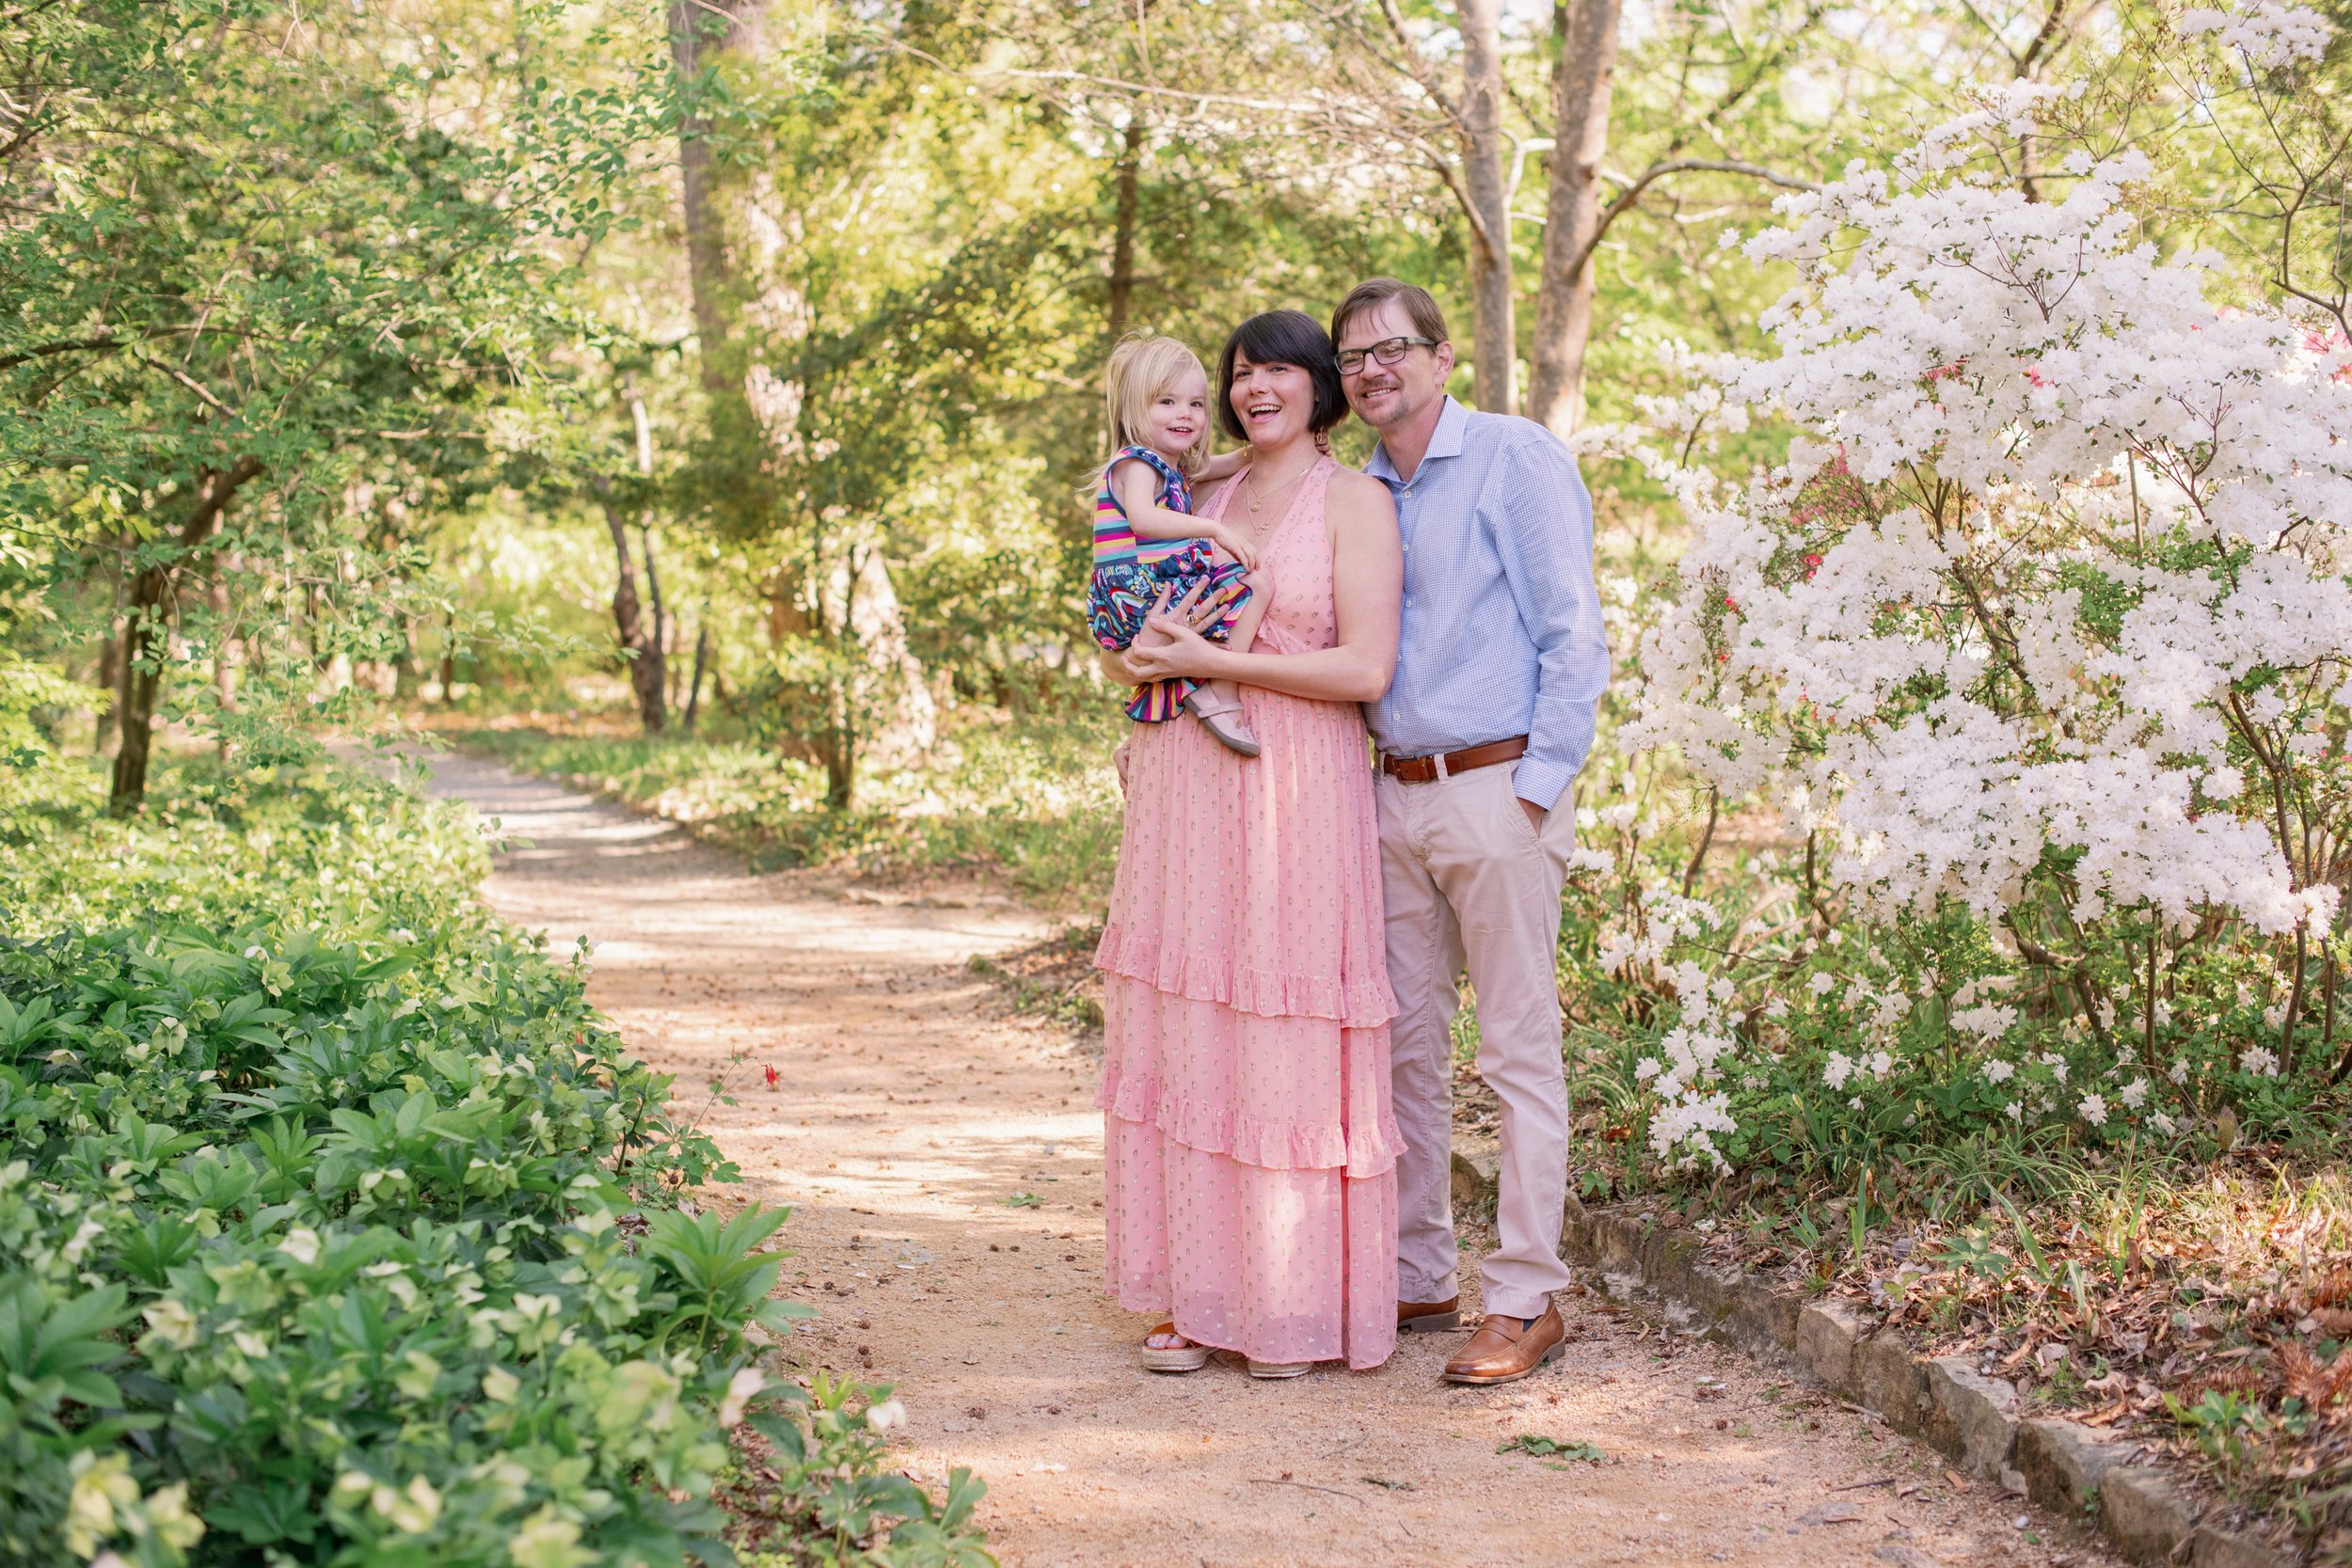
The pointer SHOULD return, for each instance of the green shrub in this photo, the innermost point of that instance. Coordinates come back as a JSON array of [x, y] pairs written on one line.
[[333, 1220]]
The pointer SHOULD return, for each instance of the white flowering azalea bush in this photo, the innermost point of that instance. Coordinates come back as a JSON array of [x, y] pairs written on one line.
[[2039, 643], [336, 1226]]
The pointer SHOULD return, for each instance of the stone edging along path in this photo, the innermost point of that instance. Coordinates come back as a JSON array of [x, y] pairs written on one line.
[[2148, 1513]]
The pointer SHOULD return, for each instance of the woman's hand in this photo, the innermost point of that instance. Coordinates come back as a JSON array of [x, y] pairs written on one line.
[[1171, 642]]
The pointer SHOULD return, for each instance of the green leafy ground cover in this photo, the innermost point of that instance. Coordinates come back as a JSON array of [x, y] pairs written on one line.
[[1032, 797], [337, 1227]]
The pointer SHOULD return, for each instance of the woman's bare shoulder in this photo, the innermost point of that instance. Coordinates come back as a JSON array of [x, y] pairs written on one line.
[[1360, 494]]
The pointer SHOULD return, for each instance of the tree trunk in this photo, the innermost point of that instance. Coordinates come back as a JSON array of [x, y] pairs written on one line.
[[701, 33], [702, 661], [109, 680], [1123, 292], [224, 663], [1581, 81], [642, 642], [1494, 347], [144, 633], [661, 628], [628, 622]]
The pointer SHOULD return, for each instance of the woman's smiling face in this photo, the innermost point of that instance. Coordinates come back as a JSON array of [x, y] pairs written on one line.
[[1274, 402]]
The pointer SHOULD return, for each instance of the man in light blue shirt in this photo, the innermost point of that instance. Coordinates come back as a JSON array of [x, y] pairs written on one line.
[[1498, 675]]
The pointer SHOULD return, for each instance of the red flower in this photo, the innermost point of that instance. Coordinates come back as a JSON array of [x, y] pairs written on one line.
[[1731, 603], [772, 1077]]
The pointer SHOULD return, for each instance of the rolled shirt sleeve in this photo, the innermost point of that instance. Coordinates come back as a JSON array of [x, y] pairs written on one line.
[[1543, 534]]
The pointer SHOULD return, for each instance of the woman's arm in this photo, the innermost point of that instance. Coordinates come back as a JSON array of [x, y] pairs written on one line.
[[1368, 588], [1222, 467]]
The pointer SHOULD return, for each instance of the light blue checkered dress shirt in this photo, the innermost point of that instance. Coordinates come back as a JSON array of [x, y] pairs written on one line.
[[1503, 626]]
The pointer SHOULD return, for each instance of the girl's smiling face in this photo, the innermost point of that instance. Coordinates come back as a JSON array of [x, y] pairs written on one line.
[[1179, 416], [1274, 402]]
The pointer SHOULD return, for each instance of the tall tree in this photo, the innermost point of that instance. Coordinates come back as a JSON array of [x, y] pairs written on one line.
[[258, 273], [1582, 75]]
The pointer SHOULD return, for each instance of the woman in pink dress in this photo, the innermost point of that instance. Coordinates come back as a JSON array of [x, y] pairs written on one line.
[[1249, 1147]]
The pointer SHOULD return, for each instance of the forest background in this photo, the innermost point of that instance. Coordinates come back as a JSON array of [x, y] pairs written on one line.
[[699, 400]]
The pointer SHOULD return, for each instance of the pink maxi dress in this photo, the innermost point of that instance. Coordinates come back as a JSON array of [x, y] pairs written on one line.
[[1249, 1145]]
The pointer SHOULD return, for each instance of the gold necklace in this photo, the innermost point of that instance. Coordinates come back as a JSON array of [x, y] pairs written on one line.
[[1257, 498]]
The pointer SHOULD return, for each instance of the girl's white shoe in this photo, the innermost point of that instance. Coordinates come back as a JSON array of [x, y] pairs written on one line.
[[1221, 716]]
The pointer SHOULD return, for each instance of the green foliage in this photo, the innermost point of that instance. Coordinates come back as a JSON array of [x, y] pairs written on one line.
[[336, 1226], [1546, 1448]]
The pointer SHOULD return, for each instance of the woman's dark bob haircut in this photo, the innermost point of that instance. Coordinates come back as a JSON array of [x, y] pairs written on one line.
[[1282, 337]]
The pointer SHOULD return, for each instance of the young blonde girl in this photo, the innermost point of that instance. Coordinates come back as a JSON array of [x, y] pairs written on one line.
[[1155, 407]]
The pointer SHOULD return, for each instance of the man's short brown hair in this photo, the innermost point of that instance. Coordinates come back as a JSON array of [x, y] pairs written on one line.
[[1373, 293]]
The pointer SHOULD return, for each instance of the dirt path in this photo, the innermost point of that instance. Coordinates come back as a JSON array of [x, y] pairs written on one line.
[[906, 1114]]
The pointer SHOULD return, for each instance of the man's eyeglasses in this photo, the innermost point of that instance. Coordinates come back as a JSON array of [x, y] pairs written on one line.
[[1389, 351]]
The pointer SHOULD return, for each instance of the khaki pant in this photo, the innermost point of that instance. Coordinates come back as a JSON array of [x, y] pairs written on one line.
[[1468, 879]]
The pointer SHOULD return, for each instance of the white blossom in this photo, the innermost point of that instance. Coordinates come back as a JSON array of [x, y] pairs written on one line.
[[2269, 34]]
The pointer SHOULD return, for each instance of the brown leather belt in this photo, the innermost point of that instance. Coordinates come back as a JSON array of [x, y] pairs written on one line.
[[1446, 764]]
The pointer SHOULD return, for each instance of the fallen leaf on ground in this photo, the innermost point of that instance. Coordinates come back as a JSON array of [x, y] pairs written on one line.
[[1542, 1448]]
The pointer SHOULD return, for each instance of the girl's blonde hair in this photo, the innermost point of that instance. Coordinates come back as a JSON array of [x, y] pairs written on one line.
[[1141, 368]]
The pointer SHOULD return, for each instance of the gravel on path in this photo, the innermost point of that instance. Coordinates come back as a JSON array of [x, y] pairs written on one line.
[[944, 1163]]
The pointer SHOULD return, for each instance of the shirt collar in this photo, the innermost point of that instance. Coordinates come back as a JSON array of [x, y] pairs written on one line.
[[1444, 441]]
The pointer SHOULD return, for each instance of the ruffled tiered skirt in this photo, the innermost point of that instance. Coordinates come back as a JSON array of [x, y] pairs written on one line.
[[1249, 1146]]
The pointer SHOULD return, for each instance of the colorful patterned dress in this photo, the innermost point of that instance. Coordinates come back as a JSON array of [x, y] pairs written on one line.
[[1131, 572], [1249, 1147]]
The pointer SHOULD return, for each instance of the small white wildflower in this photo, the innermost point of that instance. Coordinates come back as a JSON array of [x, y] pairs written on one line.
[[301, 1244], [2163, 1123], [1823, 983], [2133, 1094], [2179, 1071], [2094, 1110], [1997, 1071], [2260, 1060], [742, 1388], [883, 1416], [1646, 1068]]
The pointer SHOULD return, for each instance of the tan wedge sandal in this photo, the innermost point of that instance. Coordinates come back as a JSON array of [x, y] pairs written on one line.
[[1186, 1357], [1269, 1371]]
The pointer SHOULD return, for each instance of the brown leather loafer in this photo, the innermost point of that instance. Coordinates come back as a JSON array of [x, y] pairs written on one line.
[[1502, 1352], [1428, 1317]]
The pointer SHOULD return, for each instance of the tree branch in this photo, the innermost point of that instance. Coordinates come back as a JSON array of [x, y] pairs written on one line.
[[1631, 196]]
